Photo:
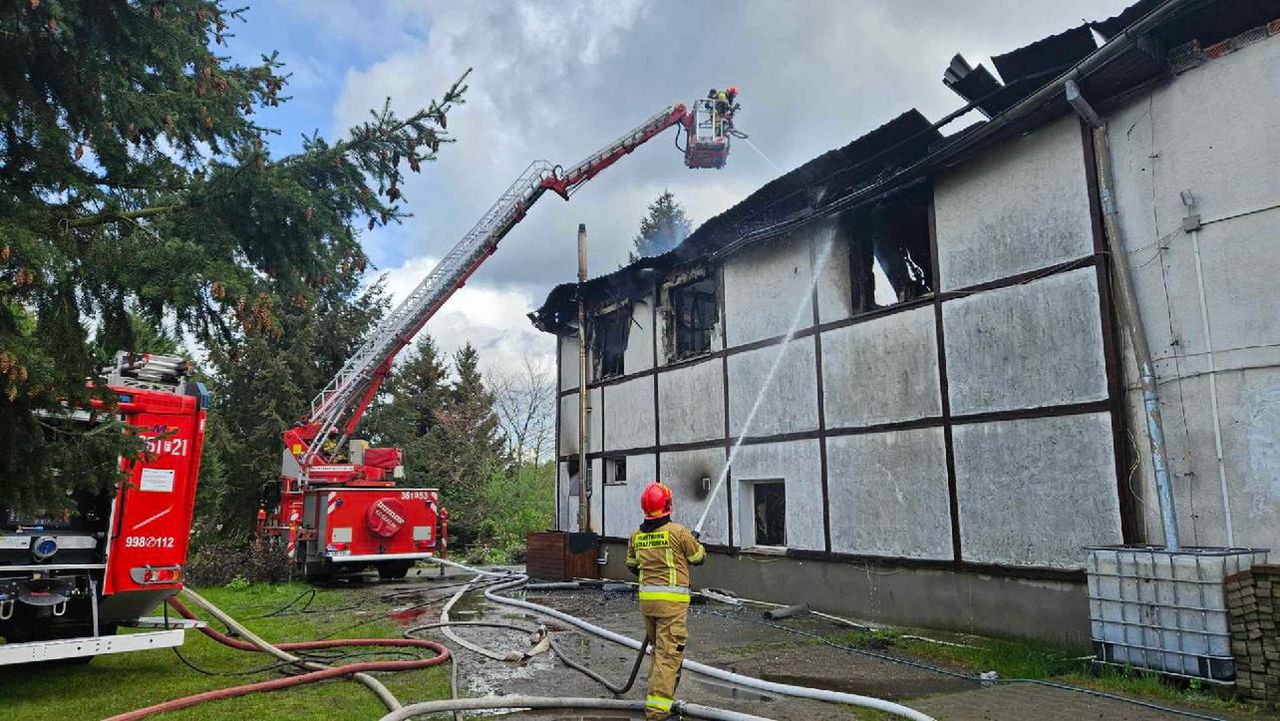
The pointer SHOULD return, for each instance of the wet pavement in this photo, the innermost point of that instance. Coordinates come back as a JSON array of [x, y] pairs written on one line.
[[728, 638]]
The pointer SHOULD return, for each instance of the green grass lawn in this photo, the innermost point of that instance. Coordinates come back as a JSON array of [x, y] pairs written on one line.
[[121, 682]]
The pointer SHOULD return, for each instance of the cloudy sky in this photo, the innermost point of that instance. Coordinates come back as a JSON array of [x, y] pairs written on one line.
[[557, 79]]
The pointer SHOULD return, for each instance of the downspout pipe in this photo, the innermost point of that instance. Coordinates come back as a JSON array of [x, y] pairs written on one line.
[[1130, 317]]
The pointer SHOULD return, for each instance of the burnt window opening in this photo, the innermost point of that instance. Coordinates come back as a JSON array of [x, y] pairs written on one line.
[[609, 342], [615, 470], [889, 258], [769, 513], [694, 313]]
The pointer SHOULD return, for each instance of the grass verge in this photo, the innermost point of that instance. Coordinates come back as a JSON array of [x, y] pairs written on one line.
[[1024, 659], [121, 682]]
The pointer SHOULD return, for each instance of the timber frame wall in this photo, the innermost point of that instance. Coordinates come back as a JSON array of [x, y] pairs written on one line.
[[1113, 403]]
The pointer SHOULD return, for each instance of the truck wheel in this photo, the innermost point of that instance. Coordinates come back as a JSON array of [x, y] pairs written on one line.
[[316, 573], [394, 570]]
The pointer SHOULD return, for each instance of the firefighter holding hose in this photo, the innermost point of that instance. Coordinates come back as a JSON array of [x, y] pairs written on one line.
[[661, 552]]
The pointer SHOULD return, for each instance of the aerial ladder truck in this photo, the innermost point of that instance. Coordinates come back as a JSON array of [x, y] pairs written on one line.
[[336, 506]]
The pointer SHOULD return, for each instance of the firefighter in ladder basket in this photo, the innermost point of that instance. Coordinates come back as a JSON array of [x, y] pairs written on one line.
[[661, 552]]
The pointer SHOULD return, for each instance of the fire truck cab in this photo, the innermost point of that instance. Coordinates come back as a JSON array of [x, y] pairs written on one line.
[[68, 580]]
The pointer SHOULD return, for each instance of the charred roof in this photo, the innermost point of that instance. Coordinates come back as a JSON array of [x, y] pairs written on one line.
[[904, 152]]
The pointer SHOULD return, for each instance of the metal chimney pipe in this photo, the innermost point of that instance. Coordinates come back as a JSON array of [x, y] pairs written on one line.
[[584, 481]]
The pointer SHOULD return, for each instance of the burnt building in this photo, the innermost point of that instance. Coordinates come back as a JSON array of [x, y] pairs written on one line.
[[911, 349]]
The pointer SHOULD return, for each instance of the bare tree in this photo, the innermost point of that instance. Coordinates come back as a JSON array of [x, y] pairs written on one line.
[[525, 401]]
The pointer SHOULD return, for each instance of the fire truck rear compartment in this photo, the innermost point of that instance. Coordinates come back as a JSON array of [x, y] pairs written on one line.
[[348, 529]]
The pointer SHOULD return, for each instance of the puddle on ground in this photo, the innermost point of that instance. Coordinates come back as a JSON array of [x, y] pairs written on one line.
[[469, 606], [730, 690]]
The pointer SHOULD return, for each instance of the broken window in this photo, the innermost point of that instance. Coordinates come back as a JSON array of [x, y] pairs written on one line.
[[769, 508], [616, 470], [889, 259], [609, 342], [694, 313]]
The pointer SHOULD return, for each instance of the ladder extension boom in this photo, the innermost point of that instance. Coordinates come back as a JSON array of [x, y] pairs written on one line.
[[343, 401]]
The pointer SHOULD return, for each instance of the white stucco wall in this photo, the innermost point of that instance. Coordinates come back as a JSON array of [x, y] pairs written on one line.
[[681, 471], [639, 353], [1215, 131], [622, 513], [835, 295], [569, 422], [1026, 346], [889, 494], [1019, 206], [569, 497], [568, 346], [691, 403], [798, 465], [1034, 492], [788, 402], [628, 414], [882, 371], [765, 287]]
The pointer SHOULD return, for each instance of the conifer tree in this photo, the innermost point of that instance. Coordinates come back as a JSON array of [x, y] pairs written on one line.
[[663, 227], [134, 179], [415, 390], [263, 383], [465, 449]]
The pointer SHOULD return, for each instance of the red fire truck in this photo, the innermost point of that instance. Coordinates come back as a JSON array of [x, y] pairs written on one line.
[[336, 506], [68, 580]]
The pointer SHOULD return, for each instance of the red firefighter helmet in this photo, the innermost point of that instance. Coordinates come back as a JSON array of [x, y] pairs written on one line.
[[733, 90], [656, 500]]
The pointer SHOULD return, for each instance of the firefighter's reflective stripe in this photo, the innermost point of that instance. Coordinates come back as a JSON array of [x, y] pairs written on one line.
[[698, 555], [662, 703], [671, 568], [676, 594]]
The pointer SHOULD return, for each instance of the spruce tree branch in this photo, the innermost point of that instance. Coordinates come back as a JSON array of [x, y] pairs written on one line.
[[118, 215], [107, 182]]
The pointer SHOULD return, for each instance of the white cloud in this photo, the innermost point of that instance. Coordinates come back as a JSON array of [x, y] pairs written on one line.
[[492, 319]]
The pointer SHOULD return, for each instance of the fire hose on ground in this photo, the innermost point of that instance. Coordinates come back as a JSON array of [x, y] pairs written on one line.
[[357, 670], [782, 689], [397, 712], [680, 708]]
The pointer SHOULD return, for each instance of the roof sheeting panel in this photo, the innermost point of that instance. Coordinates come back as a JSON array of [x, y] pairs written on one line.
[[1044, 55]]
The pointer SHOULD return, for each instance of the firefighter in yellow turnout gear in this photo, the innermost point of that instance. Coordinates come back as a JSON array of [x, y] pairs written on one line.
[[661, 552]]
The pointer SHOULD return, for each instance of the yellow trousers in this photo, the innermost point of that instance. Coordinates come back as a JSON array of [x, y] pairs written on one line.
[[667, 626]]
